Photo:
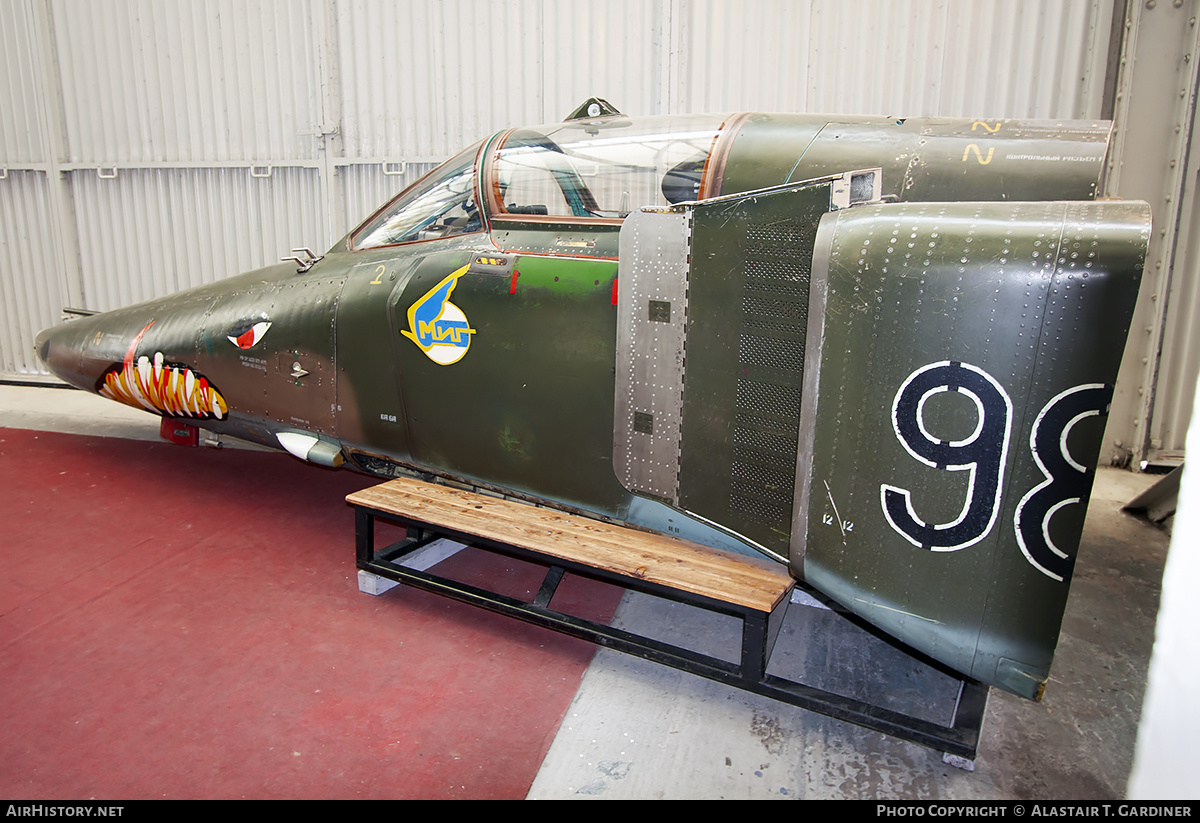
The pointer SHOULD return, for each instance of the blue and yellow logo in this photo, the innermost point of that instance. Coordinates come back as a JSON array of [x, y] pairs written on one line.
[[438, 326]]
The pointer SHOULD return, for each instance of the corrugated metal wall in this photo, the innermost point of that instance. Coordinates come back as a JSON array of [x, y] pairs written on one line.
[[29, 288], [1174, 381], [1013, 59], [152, 81], [151, 145], [1156, 158]]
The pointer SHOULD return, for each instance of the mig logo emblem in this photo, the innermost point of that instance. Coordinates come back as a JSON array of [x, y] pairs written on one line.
[[438, 326]]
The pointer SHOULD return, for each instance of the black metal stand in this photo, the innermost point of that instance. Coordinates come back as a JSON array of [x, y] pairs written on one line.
[[759, 631]]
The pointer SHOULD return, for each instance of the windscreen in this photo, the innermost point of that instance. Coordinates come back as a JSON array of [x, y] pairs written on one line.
[[441, 204]]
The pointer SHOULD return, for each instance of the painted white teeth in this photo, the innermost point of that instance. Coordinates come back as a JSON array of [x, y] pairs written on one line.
[[161, 387]]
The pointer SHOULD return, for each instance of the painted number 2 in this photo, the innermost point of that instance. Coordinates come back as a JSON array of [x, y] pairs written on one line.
[[984, 453]]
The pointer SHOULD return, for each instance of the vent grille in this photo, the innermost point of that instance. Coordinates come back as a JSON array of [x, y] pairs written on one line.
[[778, 353], [771, 355], [747, 312]]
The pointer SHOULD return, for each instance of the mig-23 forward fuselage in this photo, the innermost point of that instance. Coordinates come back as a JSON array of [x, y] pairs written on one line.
[[880, 350]]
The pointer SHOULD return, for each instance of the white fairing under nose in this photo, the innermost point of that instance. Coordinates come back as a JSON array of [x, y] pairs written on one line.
[[310, 448]]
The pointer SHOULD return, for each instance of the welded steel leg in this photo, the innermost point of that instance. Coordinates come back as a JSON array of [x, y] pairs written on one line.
[[364, 536], [754, 646], [549, 585]]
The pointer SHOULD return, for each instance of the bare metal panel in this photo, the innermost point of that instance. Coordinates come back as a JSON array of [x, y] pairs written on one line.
[[651, 344], [711, 427]]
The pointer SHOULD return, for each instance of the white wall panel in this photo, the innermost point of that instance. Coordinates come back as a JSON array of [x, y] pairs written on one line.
[[1157, 154], [1178, 370], [187, 80], [419, 81], [170, 229], [612, 49], [877, 57], [21, 137], [30, 299], [1025, 58], [1175, 384]]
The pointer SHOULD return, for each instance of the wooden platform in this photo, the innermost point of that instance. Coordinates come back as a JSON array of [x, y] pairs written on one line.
[[754, 584], [754, 591]]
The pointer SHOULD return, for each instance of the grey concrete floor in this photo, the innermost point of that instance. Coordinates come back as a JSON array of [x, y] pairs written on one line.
[[639, 730]]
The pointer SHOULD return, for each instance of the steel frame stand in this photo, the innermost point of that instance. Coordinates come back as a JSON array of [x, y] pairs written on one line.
[[958, 742]]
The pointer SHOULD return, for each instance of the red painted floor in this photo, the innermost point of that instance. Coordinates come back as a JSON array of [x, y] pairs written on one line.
[[186, 623]]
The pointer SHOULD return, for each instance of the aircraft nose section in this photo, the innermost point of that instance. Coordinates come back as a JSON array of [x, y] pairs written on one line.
[[136, 358], [81, 351]]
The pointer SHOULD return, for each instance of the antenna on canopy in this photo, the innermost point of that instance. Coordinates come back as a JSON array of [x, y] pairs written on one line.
[[592, 107]]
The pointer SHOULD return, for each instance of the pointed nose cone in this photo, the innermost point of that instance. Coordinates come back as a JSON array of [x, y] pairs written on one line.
[[61, 349], [41, 344], [81, 351]]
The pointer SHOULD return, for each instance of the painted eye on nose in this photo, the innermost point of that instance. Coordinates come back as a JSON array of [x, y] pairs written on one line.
[[244, 335]]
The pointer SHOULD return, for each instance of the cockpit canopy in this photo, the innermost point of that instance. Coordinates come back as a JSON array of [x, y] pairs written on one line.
[[600, 169]]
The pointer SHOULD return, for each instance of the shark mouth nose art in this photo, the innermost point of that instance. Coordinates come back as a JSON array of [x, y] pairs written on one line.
[[161, 386]]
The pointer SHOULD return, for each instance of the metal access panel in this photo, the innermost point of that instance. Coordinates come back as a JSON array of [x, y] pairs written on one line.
[[712, 321], [651, 342], [960, 364]]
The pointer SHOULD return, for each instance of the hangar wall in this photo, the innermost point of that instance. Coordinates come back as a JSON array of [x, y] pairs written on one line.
[[157, 144], [1154, 159]]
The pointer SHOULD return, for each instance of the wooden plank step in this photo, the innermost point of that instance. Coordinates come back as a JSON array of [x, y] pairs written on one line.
[[733, 578]]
